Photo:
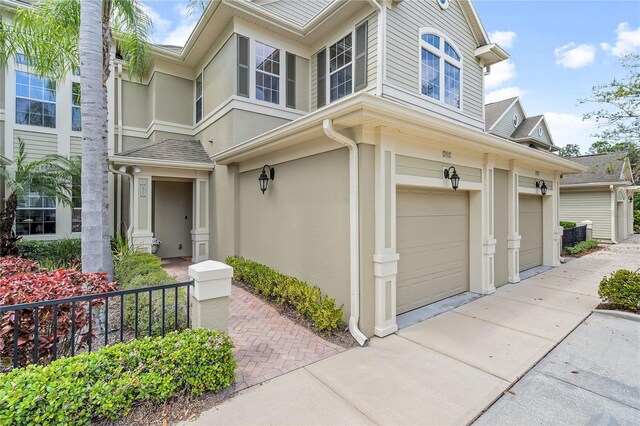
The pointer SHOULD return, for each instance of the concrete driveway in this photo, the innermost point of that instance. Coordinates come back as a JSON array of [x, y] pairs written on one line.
[[446, 370], [591, 378]]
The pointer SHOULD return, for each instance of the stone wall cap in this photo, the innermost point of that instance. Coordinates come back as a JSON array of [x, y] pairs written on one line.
[[210, 270]]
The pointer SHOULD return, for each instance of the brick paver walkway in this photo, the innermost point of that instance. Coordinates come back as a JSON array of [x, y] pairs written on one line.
[[267, 344]]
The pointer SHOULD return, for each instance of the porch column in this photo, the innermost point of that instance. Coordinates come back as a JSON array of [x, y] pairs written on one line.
[[385, 260], [142, 202], [200, 231], [488, 240], [551, 225], [513, 237]]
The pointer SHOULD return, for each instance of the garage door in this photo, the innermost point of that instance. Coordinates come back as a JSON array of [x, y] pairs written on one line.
[[530, 231], [432, 235]]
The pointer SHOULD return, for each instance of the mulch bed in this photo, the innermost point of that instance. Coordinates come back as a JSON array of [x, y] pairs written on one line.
[[340, 337], [614, 307]]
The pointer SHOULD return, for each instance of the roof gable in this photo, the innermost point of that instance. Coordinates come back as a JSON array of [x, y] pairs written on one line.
[[495, 111], [603, 168]]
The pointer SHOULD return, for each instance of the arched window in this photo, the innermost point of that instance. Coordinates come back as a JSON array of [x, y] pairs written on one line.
[[440, 68]]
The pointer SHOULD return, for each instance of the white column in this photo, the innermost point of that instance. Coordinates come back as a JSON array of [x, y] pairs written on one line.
[[385, 258], [614, 216], [210, 298], [142, 210], [513, 237], [488, 240], [200, 231]]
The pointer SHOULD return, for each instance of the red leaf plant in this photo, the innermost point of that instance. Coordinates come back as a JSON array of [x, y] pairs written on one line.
[[32, 284]]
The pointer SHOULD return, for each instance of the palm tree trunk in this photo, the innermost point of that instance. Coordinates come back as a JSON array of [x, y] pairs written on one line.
[[8, 239], [95, 44]]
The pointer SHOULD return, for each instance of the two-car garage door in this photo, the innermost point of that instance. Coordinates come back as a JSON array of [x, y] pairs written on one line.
[[432, 235]]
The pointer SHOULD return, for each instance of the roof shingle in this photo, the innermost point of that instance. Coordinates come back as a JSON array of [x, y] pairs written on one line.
[[602, 168], [526, 127], [493, 111], [179, 150]]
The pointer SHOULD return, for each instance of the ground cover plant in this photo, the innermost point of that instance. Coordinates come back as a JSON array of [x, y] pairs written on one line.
[[567, 224], [621, 290], [107, 383], [306, 299], [581, 247]]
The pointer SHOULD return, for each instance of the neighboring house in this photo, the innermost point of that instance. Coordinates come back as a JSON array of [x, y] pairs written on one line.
[[507, 119], [358, 108], [602, 194]]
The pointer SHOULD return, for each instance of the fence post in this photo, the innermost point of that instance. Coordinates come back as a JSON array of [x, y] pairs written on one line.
[[589, 228], [210, 297]]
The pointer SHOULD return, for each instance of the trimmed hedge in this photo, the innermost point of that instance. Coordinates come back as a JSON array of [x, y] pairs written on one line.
[[307, 300], [106, 384], [567, 225], [63, 253], [140, 270], [582, 246], [621, 288]]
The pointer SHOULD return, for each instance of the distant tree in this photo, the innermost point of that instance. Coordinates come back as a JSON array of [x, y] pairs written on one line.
[[619, 117], [569, 150]]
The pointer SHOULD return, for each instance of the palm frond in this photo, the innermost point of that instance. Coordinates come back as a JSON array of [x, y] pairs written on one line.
[[132, 27]]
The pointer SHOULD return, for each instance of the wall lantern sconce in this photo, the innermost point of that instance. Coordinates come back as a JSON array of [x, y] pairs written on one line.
[[455, 179], [542, 185], [264, 179], [630, 199]]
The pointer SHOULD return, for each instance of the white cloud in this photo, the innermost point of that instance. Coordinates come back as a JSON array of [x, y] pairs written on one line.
[[160, 24], [500, 73], [572, 56], [180, 35], [174, 30], [504, 93], [627, 41], [570, 128], [503, 38]]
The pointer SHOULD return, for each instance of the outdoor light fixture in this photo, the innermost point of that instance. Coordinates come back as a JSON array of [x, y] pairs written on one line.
[[122, 169], [455, 179], [134, 169], [264, 179], [630, 199], [543, 186]]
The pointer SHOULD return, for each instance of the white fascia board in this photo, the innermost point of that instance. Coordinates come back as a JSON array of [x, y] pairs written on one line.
[[490, 54], [594, 184], [134, 161]]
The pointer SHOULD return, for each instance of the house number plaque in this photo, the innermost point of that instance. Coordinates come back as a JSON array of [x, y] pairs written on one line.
[[143, 190], [446, 154]]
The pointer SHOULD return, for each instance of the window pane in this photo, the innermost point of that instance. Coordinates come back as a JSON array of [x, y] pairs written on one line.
[[430, 84], [267, 73], [449, 51], [451, 85], [432, 39], [340, 77], [35, 100]]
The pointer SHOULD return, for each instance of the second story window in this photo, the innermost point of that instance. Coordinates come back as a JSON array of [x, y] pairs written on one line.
[[35, 100], [76, 116], [267, 73], [36, 214], [340, 68], [199, 98], [440, 70]]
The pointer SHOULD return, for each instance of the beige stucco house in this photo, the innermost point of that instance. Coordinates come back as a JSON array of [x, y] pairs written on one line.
[[603, 194], [361, 109]]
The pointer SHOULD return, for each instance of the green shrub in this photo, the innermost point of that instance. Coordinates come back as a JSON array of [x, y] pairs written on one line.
[[636, 221], [567, 225], [581, 246], [106, 384], [621, 288], [140, 270], [63, 253], [307, 300]]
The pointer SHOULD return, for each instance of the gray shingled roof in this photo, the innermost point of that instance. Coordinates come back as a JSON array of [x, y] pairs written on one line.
[[171, 47], [602, 168], [494, 110], [189, 151], [297, 11], [525, 127]]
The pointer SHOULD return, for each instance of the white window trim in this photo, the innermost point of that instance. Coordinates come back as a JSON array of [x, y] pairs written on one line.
[[515, 120], [27, 70], [252, 74], [443, 57], [253, 44], [195, 98], [328, 65]]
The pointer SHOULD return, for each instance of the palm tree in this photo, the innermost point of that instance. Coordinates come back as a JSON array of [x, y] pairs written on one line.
[[49, 176], [59, 35]]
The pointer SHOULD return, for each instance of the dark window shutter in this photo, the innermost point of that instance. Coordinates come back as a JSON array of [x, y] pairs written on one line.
[[291, 80], [243, 66], [361, 57], [321, 81]]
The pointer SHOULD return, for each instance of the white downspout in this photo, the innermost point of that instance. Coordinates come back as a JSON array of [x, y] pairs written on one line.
[[354, 225]]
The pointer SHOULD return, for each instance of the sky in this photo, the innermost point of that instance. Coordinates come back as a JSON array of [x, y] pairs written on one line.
[[559, 51]]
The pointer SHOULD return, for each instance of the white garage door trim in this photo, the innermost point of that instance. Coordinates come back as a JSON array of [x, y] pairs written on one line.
[[531, 231]]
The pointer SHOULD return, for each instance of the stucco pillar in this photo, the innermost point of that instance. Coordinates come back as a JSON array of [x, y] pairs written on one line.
[[513, 237], [142, 210], [554, 223], [210, 297], [488, 223], [385, 259], [200, 231]]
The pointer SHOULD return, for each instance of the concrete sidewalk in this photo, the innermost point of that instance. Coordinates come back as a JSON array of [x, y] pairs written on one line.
[[445, 370]]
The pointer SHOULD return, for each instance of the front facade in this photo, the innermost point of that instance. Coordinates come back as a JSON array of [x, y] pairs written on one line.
[[603, 194], [359, 108]]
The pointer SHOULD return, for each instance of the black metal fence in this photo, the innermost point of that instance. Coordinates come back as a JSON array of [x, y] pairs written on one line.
[[52, 329], [572, 236]]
